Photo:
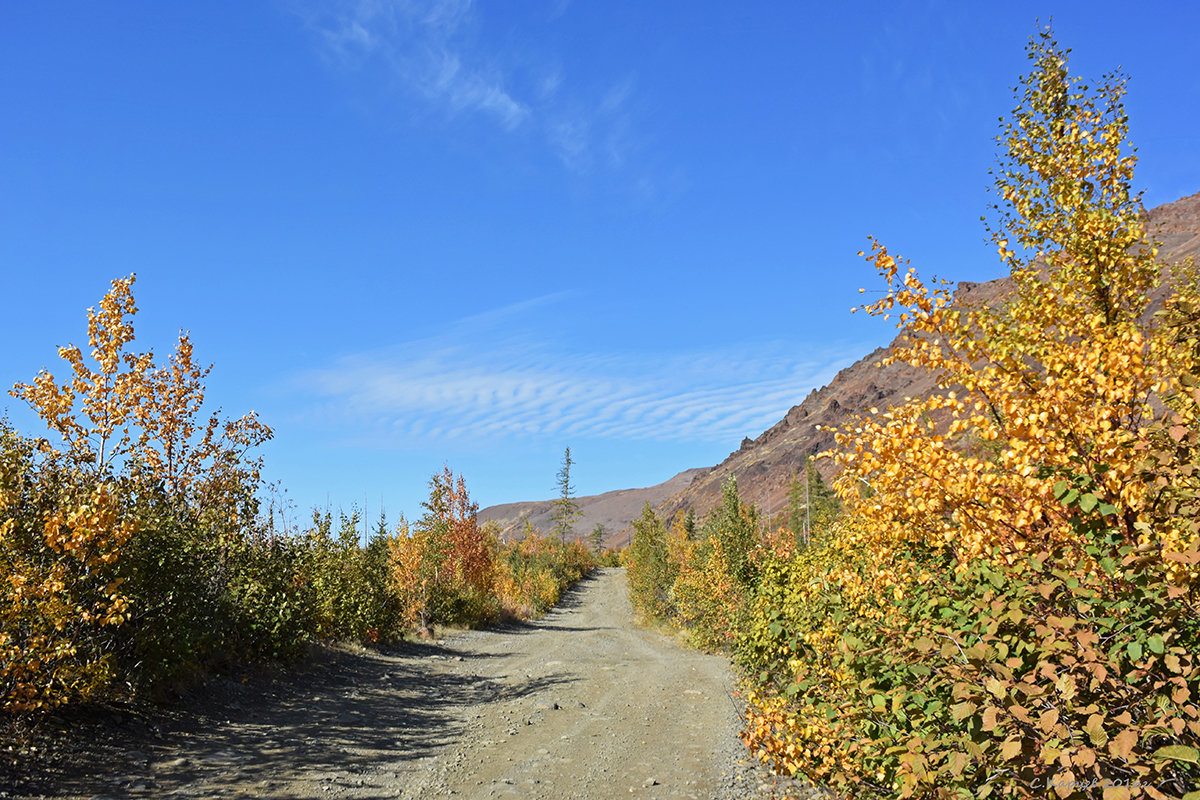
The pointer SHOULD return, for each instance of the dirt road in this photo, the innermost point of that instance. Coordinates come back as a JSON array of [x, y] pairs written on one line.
[[581, 704]]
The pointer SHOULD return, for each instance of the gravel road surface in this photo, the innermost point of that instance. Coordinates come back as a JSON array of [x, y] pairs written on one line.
[[580, 704]]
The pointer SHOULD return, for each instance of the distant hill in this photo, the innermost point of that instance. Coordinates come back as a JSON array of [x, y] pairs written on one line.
[[614, 510], [764, 465]]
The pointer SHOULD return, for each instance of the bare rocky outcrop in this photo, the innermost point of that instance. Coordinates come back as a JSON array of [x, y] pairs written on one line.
[[764, 466]]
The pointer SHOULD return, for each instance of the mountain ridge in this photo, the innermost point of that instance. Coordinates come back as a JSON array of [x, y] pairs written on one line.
[[615, 510], [765, 464]]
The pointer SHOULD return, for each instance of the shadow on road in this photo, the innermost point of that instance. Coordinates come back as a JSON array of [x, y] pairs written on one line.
[[339, 720], [336, 720]]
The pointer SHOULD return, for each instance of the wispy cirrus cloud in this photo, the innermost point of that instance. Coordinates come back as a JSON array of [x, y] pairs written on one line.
[[434, 49], [584, 135], [424, 44], [476, 383]]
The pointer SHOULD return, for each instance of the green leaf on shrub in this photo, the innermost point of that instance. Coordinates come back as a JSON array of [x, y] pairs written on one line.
[[1178, 752], [1060, 488], [1156, 644], [1135, 650]]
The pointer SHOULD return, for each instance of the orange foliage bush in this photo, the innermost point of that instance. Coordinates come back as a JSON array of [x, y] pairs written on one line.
[[707, 601], [128, 412], [443, 566]]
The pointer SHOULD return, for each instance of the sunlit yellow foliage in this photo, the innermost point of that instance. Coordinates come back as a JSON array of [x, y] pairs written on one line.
[[1009, 607], [787, 738], [128, 409], [707, 601], [412, 574], [58, 550], [794, 650], [1057, 381], [93, 409], [132, 450], [533, 572]]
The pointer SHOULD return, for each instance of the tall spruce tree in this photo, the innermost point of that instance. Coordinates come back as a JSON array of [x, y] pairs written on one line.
[[566, 510], [596, 538]]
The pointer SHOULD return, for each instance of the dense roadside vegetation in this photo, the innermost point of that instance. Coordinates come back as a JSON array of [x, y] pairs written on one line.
[[133, 555], [1007, 604]]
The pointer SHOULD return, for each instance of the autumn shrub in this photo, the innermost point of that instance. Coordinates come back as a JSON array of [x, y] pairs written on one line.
[[708, 603], [713, 569], [442, 568], [123, 544], [791, 654], [975, 680], [608, 557], [574, 562], [735, 526], [178, 602], [535, 571], [62, 536], [543, 592], [1010, 606], [347, 583], [698, 576], [648, 567]]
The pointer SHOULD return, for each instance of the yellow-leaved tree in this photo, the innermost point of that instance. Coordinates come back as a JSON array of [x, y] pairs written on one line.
[[130, 523], [60, 591], [124, 410], [1055, 382], [1008, 607]]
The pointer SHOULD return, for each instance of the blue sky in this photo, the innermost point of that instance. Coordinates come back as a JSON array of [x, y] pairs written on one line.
[[419, 232]]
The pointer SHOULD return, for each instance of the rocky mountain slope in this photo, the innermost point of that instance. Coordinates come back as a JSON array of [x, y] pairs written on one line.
[[765, 465]]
